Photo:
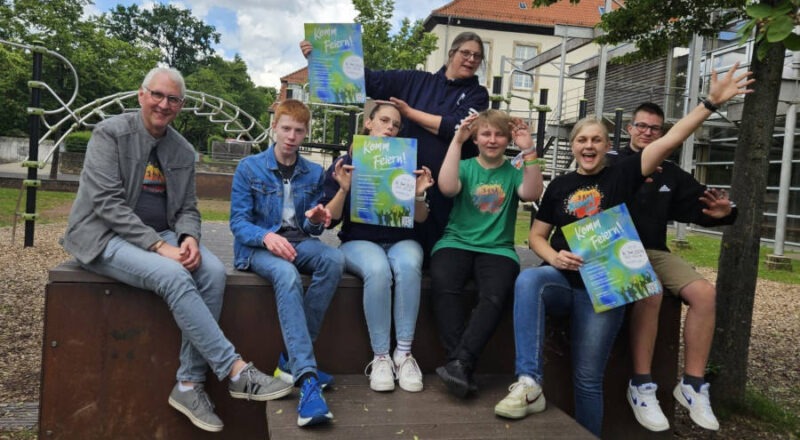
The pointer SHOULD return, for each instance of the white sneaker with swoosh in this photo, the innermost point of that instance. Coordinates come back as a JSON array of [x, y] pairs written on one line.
[[522, 399], [698, 404]]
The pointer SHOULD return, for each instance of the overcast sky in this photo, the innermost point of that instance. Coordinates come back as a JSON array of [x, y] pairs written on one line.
[[266, 33]]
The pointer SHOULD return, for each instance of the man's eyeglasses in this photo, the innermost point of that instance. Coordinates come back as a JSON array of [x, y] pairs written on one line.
[[641, 126], [157, 96], [468, 54]]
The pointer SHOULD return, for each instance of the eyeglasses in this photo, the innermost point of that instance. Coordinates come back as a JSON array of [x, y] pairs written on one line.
[[468, 54], [157, 96], [641, 126]]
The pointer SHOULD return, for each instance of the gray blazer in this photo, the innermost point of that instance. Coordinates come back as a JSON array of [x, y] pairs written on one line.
[[111, 181]]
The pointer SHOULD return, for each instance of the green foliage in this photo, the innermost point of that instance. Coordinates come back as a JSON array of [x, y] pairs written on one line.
[[409, 47], [182, 39], [778, 419], [76, 141], [772, 23]]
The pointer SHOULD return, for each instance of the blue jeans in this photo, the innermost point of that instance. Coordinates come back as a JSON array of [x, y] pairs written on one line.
[[301, 314], [377, 264], [194, 298], [544, 289]]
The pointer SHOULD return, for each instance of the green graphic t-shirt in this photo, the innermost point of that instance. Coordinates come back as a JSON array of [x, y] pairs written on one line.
[[485, 211]]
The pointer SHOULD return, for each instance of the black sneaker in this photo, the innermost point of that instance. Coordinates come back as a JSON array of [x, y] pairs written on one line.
[[455, 374]]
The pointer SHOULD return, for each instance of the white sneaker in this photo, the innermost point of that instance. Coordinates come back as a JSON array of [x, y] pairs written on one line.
[[409, 375], [645, 407], [698, 404], [381, 378], [522, 400]]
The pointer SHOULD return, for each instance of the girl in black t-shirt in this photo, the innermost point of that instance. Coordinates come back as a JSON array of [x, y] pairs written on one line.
[[556, 287]]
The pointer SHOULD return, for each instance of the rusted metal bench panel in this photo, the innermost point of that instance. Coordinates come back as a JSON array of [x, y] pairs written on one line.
[[110, 353]]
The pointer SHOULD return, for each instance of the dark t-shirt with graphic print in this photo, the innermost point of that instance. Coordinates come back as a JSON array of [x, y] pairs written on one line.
[[573, 196], [152, 204]]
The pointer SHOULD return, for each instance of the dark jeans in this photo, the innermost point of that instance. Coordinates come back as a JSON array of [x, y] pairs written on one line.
[[464, 326]]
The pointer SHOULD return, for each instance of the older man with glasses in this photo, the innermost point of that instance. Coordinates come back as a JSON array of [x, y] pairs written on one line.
[[135, 220], [671, 194]]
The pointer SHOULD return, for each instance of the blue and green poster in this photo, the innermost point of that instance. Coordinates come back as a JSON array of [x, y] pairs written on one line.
[[336, 64], [616, 270]]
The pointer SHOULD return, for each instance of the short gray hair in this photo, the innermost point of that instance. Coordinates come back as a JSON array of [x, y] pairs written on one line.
[[173, 75]]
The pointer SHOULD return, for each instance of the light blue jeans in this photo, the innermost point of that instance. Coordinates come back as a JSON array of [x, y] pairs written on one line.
[[544, 289], [301, 314], [377, 264], [194, 298]]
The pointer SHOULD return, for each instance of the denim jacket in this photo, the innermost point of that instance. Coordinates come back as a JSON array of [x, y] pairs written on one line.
[[257, 201]]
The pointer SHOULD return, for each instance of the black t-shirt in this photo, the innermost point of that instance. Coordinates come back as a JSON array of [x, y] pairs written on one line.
[[573, 196], [152, 204]]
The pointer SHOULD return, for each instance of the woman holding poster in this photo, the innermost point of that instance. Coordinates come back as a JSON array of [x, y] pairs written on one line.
[[380, 255], [556, 287], [432, 104]]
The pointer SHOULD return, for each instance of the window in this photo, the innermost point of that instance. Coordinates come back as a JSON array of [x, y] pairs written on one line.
[[522, 53], [482, 71], [523, 5]]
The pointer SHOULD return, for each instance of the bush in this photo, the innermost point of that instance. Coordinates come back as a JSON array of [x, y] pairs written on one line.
[[76, 141]]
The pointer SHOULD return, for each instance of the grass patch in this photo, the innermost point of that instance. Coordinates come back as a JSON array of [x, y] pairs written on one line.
[[774, 417], [52, 206], [703, 251], [522, 228]]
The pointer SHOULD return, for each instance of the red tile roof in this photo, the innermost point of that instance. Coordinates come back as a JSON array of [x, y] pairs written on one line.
[[299, 76], [585, 13]]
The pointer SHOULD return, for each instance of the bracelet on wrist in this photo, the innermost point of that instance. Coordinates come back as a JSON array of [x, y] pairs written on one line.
[[531, 162], [422, 197], [157, 246], [709, 105]]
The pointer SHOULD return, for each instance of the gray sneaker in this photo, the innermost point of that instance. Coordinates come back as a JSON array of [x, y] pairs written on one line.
[[196, 405], [255, 385]]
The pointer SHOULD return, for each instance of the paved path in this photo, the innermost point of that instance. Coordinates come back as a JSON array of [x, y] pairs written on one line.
[[16, 416]]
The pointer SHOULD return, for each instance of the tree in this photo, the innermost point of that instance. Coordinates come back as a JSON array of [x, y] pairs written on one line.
[[403, 50], [183, 40], [654, 25]]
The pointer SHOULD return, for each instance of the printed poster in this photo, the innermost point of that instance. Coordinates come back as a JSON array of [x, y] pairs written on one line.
[[615, 268], [384, 185], [336, 64]]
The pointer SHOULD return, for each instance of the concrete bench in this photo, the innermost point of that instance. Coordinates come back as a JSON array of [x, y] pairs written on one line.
[[110, 355]]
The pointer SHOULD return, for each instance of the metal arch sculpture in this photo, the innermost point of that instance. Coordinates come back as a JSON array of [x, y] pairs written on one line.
[[240, 124]]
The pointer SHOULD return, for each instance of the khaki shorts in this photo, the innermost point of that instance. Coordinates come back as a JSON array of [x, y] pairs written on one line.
[[672, 271]]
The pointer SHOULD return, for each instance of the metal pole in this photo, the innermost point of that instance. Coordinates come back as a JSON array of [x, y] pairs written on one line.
[[601, 73], [33, 146], [497, 90], [786, 178], [617, 128], [542, 124], [687, 154]]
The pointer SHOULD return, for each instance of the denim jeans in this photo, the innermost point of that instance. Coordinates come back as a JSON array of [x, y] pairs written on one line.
[[464, 326], [301, 314], [377, 264], [544, 289], [194, 298]]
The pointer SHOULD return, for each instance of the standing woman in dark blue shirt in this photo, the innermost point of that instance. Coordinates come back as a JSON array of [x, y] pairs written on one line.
[[432, 104]]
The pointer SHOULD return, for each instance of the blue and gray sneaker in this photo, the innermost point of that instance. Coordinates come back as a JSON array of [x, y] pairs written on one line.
[[284, 373], [312, 408]]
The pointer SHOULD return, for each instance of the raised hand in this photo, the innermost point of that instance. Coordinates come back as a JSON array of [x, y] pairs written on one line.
[[521, 134], [343, 175], [465, 128], [729, 85], [424, 180], [718, 205], [305, 47]]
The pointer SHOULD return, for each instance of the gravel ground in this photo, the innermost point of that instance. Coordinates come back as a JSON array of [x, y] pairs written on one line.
[[774, 349]]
